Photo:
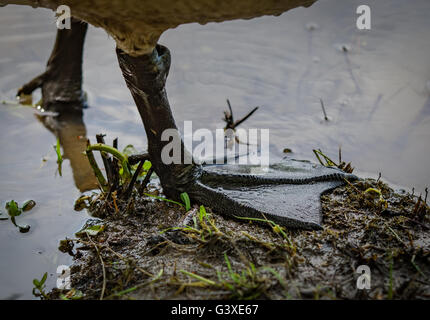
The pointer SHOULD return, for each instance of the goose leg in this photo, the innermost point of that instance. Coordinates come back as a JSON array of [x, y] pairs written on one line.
[[289, 194], [61, 83]]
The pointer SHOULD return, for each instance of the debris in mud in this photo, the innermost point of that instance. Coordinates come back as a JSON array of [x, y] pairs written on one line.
[[159, 250]]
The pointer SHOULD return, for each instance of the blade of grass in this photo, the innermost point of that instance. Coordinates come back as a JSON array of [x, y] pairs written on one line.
[[99, 175], [163, 199], [57, 148], [196, 276], [186, 200]]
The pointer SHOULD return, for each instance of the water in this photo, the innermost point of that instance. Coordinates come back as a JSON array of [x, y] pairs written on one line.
[[377, 97]]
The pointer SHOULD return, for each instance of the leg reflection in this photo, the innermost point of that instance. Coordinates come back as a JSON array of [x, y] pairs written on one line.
[[70, 129]]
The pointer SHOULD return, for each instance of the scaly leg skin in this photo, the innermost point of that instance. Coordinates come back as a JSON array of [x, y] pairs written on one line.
[[289, 194], [61, 82]]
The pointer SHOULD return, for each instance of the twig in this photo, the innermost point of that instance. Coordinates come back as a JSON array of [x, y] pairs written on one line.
[[229, 119], [155, 247], [145, 180], [395, 234], [106, 202], [115, 167], [136, 158], [114, 202], [237, 123], [323, 109], [228, 116], [106, 161], [133, 180], [103, 266], [327, 159], [352, 186]]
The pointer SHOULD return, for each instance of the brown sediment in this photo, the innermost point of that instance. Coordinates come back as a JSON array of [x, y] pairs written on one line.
[[388, 234]]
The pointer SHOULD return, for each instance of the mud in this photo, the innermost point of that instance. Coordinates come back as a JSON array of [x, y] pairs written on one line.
[[221, 258]]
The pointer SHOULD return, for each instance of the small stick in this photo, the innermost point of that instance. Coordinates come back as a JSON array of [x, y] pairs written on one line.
[[103, 267], [323, 109], [237, 123], [145, 180], [106, 203], [115, 205], [136, 158], [106, 161], [395, 234], [327, 159], [115, 167], [229, 119], [133, 180], [229, 106]]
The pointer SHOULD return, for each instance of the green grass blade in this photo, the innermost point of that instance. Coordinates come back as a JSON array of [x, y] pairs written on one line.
[[163, 199], [186, 200], [196, 276]]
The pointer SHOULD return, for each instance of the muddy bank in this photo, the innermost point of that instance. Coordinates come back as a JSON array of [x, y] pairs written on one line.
[[212, 257]]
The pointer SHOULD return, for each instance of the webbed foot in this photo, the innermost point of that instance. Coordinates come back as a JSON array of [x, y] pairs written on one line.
[[287, 193]]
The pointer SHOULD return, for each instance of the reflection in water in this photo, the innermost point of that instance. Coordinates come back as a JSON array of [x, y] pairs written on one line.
[[28, 171], [71, 131]]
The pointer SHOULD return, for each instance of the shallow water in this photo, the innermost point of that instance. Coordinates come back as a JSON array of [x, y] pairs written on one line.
[[377, 97]]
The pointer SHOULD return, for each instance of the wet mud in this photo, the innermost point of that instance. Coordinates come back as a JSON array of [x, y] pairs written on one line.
[[157, 250]]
